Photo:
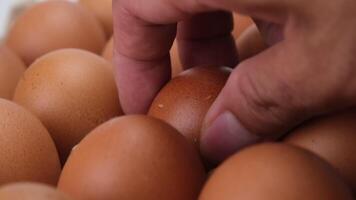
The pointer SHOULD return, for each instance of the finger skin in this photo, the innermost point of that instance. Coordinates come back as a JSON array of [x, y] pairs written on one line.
[[144, 34], [307, 74], [206, 39]]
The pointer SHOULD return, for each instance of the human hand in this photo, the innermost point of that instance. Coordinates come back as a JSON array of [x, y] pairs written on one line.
[[308, 73]]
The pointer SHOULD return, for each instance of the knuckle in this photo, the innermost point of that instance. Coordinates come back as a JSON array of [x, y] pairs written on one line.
[[268, 109]]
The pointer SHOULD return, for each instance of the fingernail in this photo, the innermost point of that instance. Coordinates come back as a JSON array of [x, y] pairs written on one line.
[[225, 136]]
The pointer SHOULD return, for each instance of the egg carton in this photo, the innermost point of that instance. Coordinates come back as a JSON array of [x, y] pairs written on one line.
[[9, 9]]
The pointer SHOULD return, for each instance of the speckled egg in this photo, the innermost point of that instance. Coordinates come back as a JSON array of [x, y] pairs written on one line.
[[72, 91]]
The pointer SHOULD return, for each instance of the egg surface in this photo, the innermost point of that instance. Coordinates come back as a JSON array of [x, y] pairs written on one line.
[[133, 158], [275, 172], [72, 91], [176, 63], [52, 25], [109, 50], [333, 139], [11, 69], [102, 9], [241, 23], [250, 43], [27, 151], [30, 191], [185, 100]]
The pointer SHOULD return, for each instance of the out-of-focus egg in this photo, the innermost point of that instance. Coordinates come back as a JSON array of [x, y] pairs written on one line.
[[53, 25], [133, 157], [185, 100], [27, 151], [102, 9], [11, 69], [177, 66], [109, 50], [30, 191], [250, 43], [72, 91], [241, 23], [275, 172], [333, 139]]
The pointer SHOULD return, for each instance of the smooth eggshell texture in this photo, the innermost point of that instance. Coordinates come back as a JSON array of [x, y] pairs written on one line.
[[250, 43], [185, 100], [133, 158], [275, 172], [53, 25], [176, 63], [241, 23], [27, 151], [11, 69], [102, 9], [108, 50], [30, 191], [333, 139], [72, 91]]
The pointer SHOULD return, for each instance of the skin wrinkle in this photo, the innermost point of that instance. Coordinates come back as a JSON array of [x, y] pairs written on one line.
[[309, 72], [259, 105], [129, 48]]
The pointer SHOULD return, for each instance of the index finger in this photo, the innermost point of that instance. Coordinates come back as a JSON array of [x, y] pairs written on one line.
[[143, 34]]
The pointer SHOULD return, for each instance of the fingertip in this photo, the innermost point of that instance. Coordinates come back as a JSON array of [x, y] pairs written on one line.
[[138, 82], [225, 136]]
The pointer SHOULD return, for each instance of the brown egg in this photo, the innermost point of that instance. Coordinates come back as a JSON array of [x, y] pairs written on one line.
[[72, 91], [177, 66], [241, 23], [250, 43], [11, 69], [53, 25], [133, 157], [102, 9], [108, 50], [185, 100], [27, 151], [30, 191], [332, 138], [275, 172]]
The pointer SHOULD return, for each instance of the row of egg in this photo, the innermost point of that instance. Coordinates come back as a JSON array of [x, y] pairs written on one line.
[[67, 93], [139, 157]]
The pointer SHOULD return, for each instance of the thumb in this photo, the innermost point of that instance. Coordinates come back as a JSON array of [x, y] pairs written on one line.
[[263, 99]]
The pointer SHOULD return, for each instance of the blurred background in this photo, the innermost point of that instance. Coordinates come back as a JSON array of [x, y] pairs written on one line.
[[9, 9]]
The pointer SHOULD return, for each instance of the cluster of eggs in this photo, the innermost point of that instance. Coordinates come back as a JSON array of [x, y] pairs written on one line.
[[64, 136]]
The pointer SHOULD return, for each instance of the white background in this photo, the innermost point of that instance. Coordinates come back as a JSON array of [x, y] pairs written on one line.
[[6, 7], [4, 14]]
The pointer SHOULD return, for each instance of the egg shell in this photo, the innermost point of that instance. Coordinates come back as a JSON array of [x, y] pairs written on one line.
[[275, 172], [133, 157], [333, 139], [241, 23], [176, 63], [102, 9], [30, 191], [109, 50], [250, 43], [11, 69], [27, 151], [185, 100], [72, 91], [52, 25]]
